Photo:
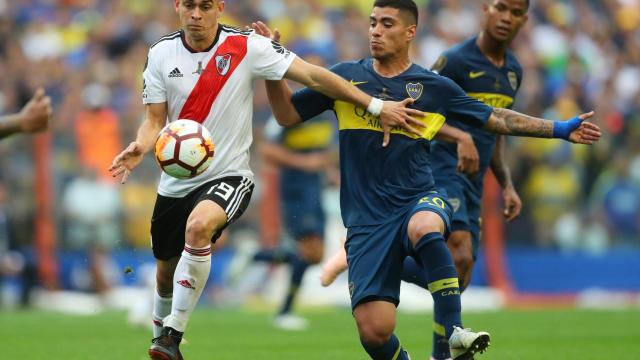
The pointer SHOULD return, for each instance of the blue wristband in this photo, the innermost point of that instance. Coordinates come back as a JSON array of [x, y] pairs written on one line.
[[562, 129]]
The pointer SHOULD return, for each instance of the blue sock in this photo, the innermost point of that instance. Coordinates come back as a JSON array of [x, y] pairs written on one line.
[[443, 280], [391, 350], [440, 341], [275, 255], [298, 267], [414, 273]]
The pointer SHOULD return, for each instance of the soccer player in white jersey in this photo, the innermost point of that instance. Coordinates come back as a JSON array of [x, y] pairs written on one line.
[[205, 72]]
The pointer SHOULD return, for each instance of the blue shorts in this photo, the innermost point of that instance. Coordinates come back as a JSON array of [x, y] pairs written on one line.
[[302, 212], [375, 253], [466, 211]]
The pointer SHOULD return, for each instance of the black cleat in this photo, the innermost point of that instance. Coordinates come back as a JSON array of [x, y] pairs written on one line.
[[165, 347]]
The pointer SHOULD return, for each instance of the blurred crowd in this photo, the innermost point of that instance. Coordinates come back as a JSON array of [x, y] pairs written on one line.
[[89, 55]]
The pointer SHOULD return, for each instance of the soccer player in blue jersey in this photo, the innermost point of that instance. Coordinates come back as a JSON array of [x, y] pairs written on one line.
[[389, 201], [485, 69]]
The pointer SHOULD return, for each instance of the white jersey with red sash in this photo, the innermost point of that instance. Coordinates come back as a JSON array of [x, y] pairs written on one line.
[[213, 87]]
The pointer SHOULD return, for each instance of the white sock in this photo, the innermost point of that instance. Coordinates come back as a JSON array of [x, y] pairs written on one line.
[[161, 309], [189, 280]]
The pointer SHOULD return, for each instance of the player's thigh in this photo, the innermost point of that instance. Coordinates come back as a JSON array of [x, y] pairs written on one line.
[[430, 214], [219, 204], [168, 224], [457, 198], [203, 222], [376, 320], [375, 255]]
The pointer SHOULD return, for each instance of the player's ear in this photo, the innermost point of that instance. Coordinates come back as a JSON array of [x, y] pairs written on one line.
[[411, 32], [176, 4], [485, 7], [220, 8]]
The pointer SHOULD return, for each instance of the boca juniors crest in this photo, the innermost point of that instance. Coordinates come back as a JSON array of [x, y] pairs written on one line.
[[223, 63], [414, 90], [513, 79]]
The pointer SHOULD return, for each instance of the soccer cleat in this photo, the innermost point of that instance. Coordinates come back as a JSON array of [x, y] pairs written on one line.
[[290, 322], [464, 343], [432, 358], [164, 348], [336, 264]]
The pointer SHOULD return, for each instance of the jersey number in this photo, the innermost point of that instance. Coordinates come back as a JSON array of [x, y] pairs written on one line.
[[433, 200], [223, 190]]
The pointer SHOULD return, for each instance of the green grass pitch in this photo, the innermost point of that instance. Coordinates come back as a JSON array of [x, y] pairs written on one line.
[[243, 334]]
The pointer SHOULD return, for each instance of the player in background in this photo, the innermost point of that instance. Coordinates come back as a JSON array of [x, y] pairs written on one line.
[[303, 156], [205, 72], [389, 201], [485, 68], [33, 117]]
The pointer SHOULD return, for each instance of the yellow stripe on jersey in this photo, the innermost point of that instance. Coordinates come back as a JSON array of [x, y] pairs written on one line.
[[443, 284], [397, 353], [309, 136], [493, 100], [351, 117]]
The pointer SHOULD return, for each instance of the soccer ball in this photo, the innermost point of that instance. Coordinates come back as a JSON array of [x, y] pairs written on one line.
[[184, 149]]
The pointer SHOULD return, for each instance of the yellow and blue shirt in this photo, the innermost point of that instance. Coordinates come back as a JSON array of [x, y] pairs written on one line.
[[495, 86], [379, 183]]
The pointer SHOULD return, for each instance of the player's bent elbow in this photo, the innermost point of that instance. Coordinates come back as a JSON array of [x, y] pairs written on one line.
[[287, 120]]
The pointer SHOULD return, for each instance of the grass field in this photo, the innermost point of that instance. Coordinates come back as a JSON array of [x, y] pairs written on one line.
[[226, 335]]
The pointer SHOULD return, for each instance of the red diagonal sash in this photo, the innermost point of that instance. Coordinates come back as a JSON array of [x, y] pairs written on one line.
[[199, 102]]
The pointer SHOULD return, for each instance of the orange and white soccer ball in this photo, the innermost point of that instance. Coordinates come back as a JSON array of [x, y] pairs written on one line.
[[184, 149]]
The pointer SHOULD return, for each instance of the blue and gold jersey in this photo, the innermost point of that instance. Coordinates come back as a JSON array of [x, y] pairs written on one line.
[[468, 67], [316, 134], [379, 183]]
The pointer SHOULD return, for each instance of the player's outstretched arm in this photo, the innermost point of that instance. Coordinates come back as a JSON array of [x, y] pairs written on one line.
[[33, 117], [324, 81], [512, 202], [278, 91], [468, 157], [575, 130], [129, 158]]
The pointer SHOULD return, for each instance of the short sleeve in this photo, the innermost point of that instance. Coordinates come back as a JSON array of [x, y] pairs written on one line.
[[448, 65], [269, 60], [154, 89], [464, 108]]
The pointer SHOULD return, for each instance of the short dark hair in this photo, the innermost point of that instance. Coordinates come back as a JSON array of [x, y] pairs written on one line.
[[526, 4], [402, 5]]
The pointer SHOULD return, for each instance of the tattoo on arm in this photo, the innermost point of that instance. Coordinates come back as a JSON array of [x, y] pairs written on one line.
[[509, 122], [499, 166]]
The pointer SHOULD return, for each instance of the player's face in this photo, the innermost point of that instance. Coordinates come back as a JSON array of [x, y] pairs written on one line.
[[389, 32], [199, 18], [504, 18]]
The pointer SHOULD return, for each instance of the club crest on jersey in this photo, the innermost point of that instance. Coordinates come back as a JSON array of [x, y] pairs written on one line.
[[415, 90], [513, 79], [223, 63]]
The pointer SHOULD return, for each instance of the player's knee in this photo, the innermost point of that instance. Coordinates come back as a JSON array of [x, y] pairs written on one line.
[[374, 331], [424, 223], [198, 233], [311, 250]]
